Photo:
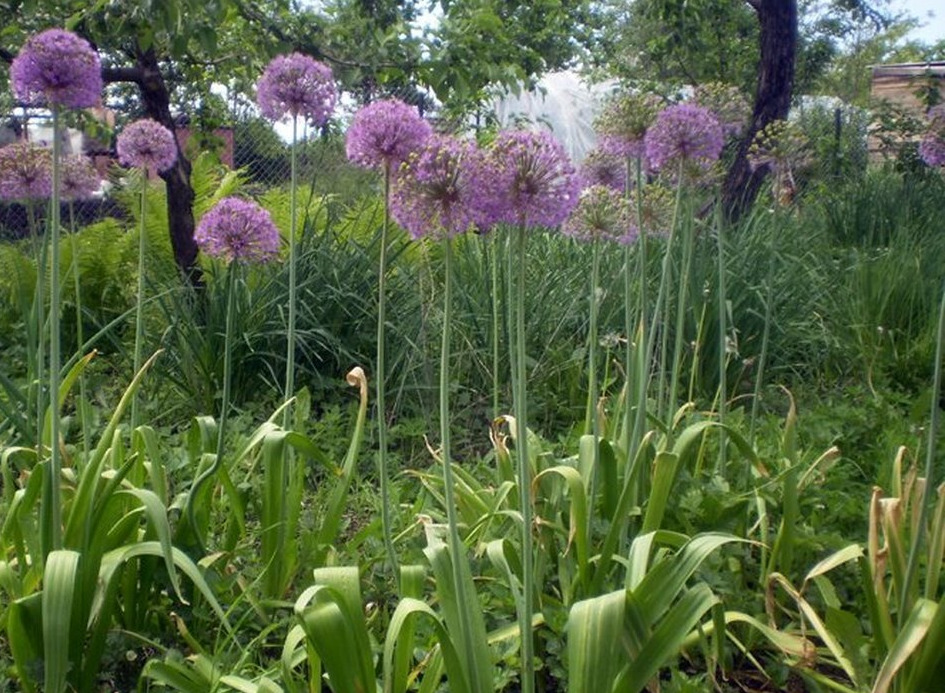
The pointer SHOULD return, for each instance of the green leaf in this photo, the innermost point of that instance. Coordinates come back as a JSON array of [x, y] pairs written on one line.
[[664, 643], [331, 614], [907, 643], [402, 620], [595, 629], [59, 587]]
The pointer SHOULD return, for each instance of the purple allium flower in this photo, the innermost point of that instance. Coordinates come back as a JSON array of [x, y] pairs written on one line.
[[57, 68], [384, 133], [932, 149], [434, 191], [727, 104], [78, 179], [297, 85], [536, 181], [602, 213], [684, 132], [932, 146], [147, 144], [602, 168], [623, 123], [236, 229], [25, 172]]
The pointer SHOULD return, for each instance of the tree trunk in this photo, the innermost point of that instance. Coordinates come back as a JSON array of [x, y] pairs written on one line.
[[180, 194], [778, 20]]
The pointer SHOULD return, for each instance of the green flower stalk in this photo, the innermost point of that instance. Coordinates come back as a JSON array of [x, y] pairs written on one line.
[[150, 147], [435, 194], [534, 185], [383, 134], [58, 69], [78, 180], [234, 231], [291, 86]]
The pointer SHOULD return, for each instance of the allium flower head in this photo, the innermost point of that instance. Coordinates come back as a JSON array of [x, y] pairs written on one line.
[[435, 190], [535, 180], [782, 145], [623, 123], [236, 229], [602, 213], [932, 149], [78, 178], [602, 168], [684, 132], [25, 172], [932, 146], [57, 68], [656, 203], [384, 133], [297, 85], [147, 144], [727, 103]]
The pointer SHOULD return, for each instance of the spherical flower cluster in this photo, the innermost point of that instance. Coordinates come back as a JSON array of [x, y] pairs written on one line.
[[932, 146], [623, 123], [602, 213], [601, 168], [236, 229], [684, 132], [57, 68], [534, 180], [782, 145], [727, 103], [297, 85], [932, 149], [147, 144], [384, 133], [78, 179], [435, 190], [25, 172], [651, 210]]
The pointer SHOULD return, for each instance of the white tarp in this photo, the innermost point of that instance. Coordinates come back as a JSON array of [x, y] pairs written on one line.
[[563, 102]]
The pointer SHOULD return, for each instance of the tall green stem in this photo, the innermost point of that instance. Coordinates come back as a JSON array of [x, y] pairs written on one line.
[[723, 335], [80, 339], [765, 339], [289, 390], [592, 389], [457, 548], [634, 430], [496, 320], [682, 304], [55, 463], [38, 348], [139, 308], [918, 531], [382, 462], [524, 471], [232, 273], [661, 299], [212, 470]]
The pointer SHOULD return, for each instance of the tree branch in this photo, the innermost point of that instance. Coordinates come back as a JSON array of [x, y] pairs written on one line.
[[110, 75]]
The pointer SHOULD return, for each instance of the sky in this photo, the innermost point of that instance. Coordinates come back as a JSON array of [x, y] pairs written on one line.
[[933, 28]]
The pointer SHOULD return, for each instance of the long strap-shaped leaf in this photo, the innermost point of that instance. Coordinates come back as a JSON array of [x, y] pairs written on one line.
[[595, 629], [59, 580], [664, 643], [407, 611], [331, 614], [908, 643]]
